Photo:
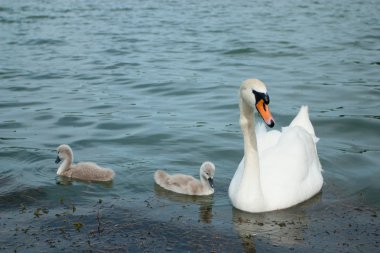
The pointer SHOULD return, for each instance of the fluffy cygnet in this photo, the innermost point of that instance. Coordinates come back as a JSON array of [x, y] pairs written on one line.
[[185, 184], [84, 171]]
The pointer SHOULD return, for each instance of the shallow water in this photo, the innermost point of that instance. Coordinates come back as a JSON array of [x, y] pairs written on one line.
[[139, 86]]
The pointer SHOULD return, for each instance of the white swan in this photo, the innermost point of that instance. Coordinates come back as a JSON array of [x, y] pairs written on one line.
[[84, 171], [279, 169], [185, 184]]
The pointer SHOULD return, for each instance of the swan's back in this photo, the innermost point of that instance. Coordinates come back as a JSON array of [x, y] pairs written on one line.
[[290, 170], [91, 172]]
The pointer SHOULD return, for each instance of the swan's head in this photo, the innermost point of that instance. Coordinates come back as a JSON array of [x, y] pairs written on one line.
[[63, 152], [254, 93], [207, 172]]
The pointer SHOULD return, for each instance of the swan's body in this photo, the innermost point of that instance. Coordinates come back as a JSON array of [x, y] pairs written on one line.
[[188, 185], [87, 171], [279, 169]]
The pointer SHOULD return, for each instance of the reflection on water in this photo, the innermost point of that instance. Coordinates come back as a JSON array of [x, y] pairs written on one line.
[[23, 196], [205, 203], [60, 180], [283, 228]]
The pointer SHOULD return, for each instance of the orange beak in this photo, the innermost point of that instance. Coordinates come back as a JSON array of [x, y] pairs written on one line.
[[264, 112]]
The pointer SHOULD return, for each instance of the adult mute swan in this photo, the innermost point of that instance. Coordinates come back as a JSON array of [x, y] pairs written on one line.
[[279, 169], [84, 171], [185, 184]]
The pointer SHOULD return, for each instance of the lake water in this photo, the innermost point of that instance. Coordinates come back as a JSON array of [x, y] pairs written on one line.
[[143, 85]]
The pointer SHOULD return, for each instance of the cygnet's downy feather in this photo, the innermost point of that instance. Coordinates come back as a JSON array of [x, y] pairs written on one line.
[[87, 171], [185, 184]]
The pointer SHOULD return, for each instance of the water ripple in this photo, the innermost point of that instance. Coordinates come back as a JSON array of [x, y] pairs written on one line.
[[138, 86]]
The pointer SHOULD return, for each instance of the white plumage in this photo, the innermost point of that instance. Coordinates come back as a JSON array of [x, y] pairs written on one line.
[[280, 168]]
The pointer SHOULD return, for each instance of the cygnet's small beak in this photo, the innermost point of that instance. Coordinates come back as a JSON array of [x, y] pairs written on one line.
[[211, 182], [57, 160]]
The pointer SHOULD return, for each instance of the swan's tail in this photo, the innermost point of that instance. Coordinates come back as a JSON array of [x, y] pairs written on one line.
[[302, 119], [103, 174], [161, 178]]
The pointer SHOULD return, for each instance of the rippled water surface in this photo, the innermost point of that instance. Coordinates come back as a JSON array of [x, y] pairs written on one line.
[[143, 85]]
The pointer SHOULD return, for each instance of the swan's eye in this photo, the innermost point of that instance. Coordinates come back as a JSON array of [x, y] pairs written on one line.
[[261, 95], [266, 99]]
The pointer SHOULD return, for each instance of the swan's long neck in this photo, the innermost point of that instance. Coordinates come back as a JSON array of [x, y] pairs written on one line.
[[251, 173], [65, 164]]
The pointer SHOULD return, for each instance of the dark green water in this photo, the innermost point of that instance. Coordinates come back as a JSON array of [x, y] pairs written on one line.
[[143, 85]]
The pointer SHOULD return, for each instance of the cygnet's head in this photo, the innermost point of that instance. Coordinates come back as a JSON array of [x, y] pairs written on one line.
[[254, 93], [207, 172], [63, 152]]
